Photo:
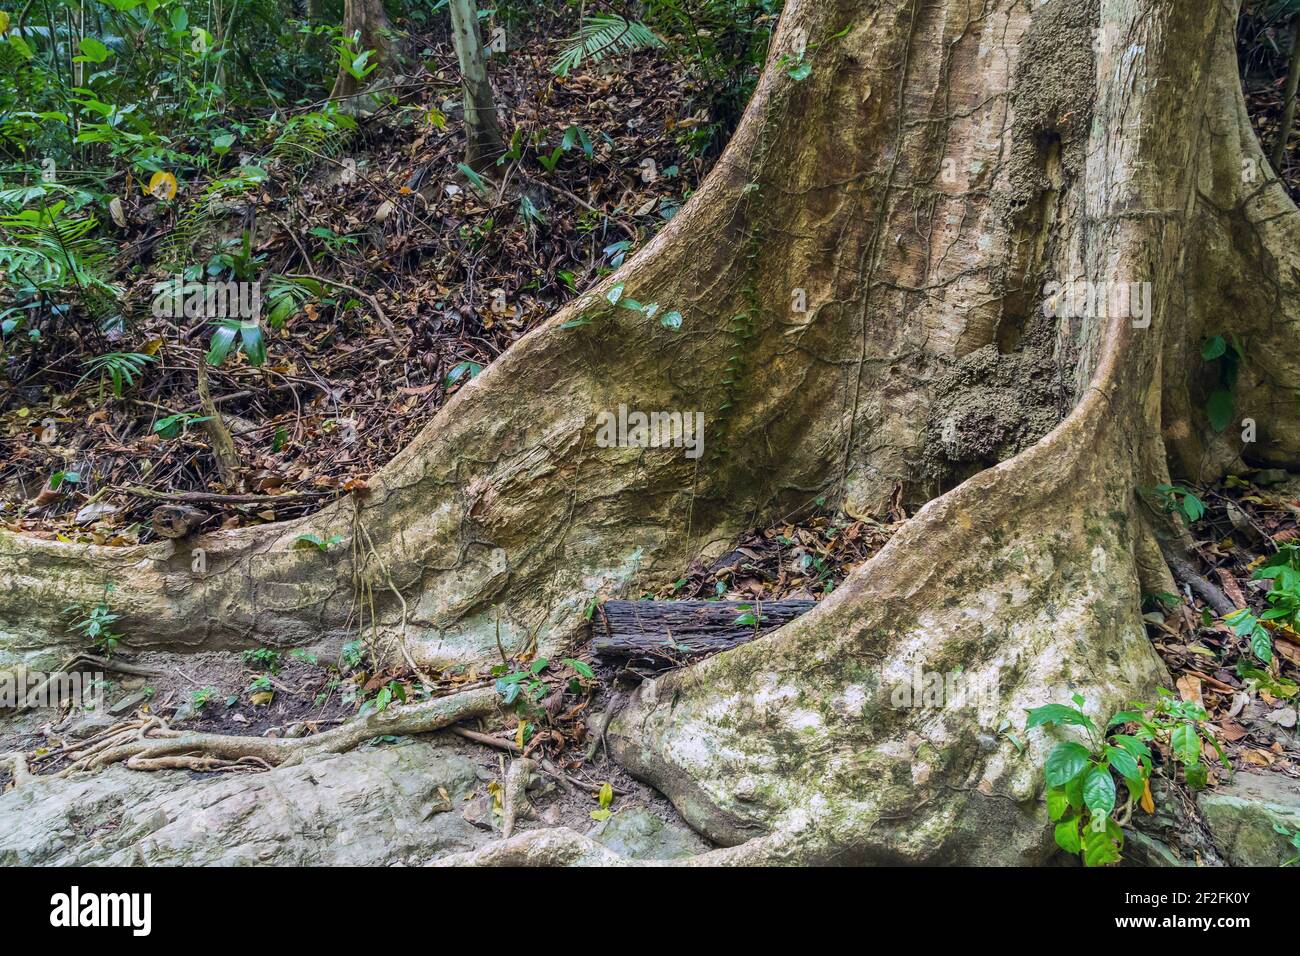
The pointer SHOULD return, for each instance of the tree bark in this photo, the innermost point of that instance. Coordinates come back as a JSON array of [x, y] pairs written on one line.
[[1287, 122], [483, 142], [365, 22], [863, 283], [671, 631]]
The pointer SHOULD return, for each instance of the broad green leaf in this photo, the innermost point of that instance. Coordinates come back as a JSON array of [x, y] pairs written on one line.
[[1067, 835], [1219, 408], [1057, 803], [1065, 762], [1058, 714], [1099, 790], [1186, 743], [1125, 763]]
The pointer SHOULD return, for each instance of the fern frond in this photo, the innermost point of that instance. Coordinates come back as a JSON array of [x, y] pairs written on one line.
[[603, 35]]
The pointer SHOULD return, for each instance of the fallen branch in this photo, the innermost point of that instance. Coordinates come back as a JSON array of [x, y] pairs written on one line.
[[673, 630]]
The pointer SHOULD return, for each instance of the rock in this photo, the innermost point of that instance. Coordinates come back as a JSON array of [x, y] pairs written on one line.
[[1243, 817], [129, 703], [87, 724], [360, 808], [639, 834], [1269, 476]]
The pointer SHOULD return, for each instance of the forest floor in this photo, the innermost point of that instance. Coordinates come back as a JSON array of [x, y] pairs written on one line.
[[399, 239]]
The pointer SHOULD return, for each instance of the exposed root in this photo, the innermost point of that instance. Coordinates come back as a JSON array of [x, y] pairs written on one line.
[[561, 846], [152, 745], [515, 804], [18, 764]]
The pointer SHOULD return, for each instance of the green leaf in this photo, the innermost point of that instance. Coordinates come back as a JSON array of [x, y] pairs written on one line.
[[1186, 743], [1067, 835], [581, 668], [1057, 803], [1261, 644], [671, 320], [1101, 847], [1058, 714], [474, 178], [1193, 507], [800, 71], [250, 334], [1099, 790], [614, 294], [1214, 348], [1065, 762], [1125, 763], [92, 51], [222, 341], [460, 370], [1219, 408]]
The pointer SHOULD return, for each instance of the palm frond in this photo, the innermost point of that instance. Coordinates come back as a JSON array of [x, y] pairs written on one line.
[[603, 35]]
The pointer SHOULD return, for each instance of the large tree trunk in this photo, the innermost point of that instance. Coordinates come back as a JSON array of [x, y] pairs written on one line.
[[366, 24], [944, 161]]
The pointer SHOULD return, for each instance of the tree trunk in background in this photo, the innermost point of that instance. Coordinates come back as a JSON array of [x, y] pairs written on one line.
[[483, 143], [867, 283], [1288, 100], [367, 20]]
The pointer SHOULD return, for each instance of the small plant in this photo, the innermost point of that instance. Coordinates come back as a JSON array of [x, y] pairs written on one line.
[[1175, 499], [1181, 725], [121, 369], [351, 654], [606, 800], [1283, 571], [298, 654], [523, 687], [1226, 354], [201, 698], [173, 425], [95, 623], [392, 691], [1081, 792], [263, 658], [261, 691], [316, 541]]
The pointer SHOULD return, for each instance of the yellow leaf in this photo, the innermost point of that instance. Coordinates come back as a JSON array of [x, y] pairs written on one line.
[[153, 345], [4, 22], [519, 734], [161, 186], [601, 814], [1148, 804], [261, 697], [606, 795]]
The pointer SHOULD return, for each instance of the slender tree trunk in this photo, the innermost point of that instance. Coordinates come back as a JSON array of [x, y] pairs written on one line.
[[871, 290], [483, 143], [1289, 101], [366, 24]]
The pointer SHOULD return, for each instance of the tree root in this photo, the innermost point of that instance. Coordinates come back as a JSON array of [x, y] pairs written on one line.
[[515, 804], [18, 763], [561, 846], [152, 745]]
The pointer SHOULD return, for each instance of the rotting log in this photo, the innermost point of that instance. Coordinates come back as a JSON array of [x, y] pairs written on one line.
[[677, 630]]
